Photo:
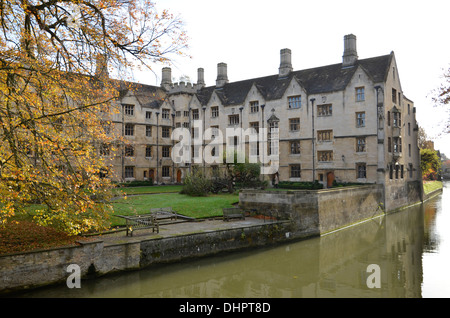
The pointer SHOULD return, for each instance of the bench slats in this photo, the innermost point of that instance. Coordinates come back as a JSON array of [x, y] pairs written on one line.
[[233, 213]]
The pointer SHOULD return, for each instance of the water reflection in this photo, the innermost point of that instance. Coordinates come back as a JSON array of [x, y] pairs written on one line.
[[334, 265]]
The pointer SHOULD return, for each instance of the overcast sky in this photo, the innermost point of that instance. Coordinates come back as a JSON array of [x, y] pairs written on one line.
[[248, 36]]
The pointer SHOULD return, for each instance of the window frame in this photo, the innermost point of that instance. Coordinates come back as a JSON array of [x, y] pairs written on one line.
[[360, 121], [325, 135], [254, 107], [324, 110], [129, 129], [325, 154], [128, 109], [295, 102], [361, 170], [294, 146], [295, 171], [360, 94], [294, 123]]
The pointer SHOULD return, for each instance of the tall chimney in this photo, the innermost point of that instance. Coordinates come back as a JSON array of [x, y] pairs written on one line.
[[166, 81], [222, 77], [285, 63], [350, 54], [200, 77]]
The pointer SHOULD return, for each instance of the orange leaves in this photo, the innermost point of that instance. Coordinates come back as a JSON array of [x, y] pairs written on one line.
[[55, 97]]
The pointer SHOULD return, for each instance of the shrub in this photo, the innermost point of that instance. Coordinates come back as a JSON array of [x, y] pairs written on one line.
[[300, 185], [196, 184], [137, 183]]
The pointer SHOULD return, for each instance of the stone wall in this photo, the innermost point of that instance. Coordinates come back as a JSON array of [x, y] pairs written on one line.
[[177, 248], [402, 194], [344, 206], [39, 268], [317, 212]]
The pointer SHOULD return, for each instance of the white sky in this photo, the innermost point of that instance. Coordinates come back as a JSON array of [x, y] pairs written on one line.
[[248, 36]]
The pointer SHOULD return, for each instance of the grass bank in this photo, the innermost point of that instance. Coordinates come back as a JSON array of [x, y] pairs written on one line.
[[430, 186]]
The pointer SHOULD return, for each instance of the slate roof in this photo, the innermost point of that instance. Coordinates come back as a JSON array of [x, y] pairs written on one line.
[[148, 96], [317, 80]]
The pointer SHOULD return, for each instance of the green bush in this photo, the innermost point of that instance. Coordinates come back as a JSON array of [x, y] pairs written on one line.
[[196, 184], [300, 185], [137, 183]]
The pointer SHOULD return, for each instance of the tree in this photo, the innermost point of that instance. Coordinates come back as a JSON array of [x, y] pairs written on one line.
[[430, 164], [245, 174], [55, 58]]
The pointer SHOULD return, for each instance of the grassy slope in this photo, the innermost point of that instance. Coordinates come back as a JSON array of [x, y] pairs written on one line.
[[430, 186]]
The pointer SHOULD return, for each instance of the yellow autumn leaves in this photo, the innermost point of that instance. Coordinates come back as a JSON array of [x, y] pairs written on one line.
[[55, 96]]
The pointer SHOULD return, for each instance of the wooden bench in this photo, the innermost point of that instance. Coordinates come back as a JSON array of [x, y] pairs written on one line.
[[164, 213], [138, 222], [233, 213]]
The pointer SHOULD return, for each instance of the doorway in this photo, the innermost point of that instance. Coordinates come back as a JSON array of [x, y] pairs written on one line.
[[151, 174], [330, 179]]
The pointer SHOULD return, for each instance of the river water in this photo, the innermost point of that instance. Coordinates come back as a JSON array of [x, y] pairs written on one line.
[[400, 255]]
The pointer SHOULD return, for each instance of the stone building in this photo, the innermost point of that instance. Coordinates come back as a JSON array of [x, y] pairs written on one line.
[[349, 122]]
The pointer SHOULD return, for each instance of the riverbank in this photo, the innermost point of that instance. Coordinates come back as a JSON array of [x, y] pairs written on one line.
[[432, 188], [300, 215], [116, 252]]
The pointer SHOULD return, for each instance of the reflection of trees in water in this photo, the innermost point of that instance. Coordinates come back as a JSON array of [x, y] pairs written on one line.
[[430, 238]]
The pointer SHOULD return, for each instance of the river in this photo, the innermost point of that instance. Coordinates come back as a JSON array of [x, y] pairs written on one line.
[[400, 255]]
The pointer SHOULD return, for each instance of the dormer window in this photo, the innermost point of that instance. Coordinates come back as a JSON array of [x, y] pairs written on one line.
[[165, 113], [360, 94], [254, 107], [128, 109], [295, 101]]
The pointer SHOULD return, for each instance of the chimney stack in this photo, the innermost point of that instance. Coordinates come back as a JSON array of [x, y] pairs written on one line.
[[350, 54], [222, 77], [201, 77], [166, 81], [285, 63]]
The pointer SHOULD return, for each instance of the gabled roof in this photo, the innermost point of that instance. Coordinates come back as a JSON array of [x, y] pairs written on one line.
[[147, 95], [317, 80]]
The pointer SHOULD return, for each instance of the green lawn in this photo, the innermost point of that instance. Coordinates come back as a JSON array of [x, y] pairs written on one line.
[[197, 207], [430, 186]]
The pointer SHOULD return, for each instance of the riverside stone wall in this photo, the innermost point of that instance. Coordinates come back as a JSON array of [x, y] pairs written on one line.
[[39, 268], [320, 211]]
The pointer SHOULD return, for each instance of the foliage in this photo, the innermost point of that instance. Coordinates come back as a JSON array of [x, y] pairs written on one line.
[[243, 173], [196, 184], [137, 183], [23, 236], [430, 164], [55, 94], [423, 140], [300, 185]]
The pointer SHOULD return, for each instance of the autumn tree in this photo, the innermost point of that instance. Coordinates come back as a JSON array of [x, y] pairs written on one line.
[[55, 57], [430, 164]]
